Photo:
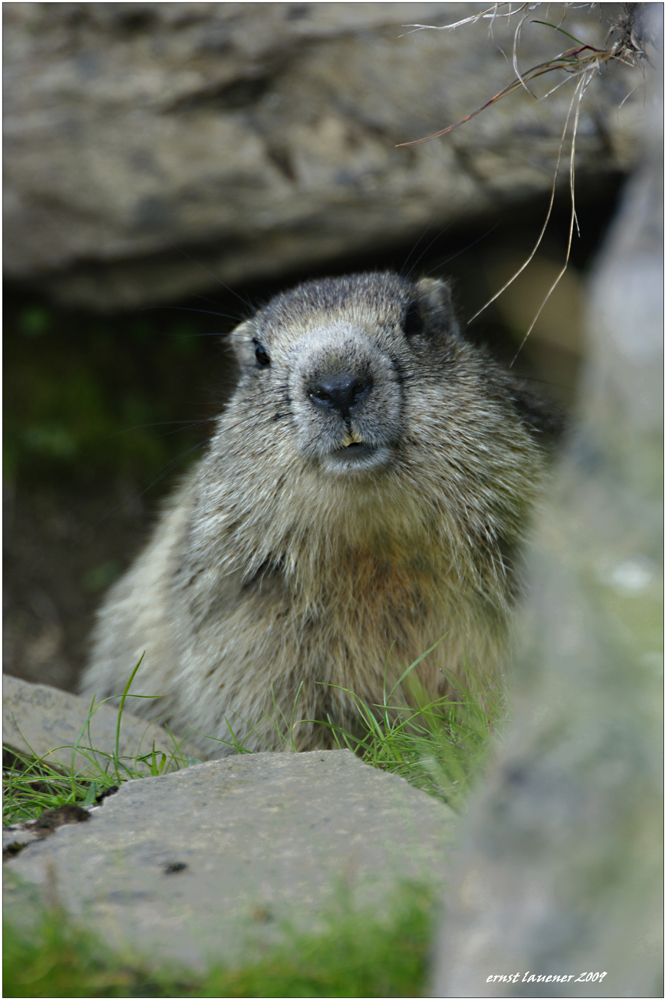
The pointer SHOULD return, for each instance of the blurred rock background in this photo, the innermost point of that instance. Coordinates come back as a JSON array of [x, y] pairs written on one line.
[[560, 867], [155, 151]]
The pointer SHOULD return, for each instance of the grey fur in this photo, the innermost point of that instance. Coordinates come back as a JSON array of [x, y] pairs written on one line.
[[364, 495]]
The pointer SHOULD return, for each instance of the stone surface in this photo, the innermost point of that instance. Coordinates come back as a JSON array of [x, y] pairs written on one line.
[[15, 837], [199, 865], [561, 872], [42, 721], [262, 137]]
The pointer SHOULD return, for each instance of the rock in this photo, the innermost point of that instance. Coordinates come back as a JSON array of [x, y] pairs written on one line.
[[205, 863], [16, 837], [262, 137], [44, 722], [561, 870]]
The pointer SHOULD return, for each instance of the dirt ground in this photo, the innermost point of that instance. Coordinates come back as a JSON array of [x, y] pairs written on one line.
[[61, 551]]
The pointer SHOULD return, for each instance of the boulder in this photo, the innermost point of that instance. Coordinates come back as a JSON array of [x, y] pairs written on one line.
[[206, 864], [153, 148], [41, 721]]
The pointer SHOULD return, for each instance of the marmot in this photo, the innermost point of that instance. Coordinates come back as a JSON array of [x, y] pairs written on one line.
[[364, 496]]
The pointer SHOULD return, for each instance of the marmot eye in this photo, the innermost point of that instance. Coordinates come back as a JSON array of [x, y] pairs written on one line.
[[260, 354], [412, 324]]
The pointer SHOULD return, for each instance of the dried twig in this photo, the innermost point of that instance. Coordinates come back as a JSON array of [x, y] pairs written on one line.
[[576, 62], [581, 62]]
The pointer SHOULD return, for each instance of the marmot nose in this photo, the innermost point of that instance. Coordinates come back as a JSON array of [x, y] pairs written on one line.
[[340, 393]]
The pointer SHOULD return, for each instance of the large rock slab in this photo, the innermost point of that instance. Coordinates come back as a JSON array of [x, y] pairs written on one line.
[[199, 865], [263, 136], [42, 721]]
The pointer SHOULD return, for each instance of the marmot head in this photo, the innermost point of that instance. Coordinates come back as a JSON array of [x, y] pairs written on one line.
[[365, 421], [367, 373]]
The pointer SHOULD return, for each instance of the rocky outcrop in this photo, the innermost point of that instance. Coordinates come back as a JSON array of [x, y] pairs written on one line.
[[261, 138], [201, 865], [41, 721]]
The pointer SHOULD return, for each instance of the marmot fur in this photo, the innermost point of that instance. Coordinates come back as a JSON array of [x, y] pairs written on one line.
[[363, 496]]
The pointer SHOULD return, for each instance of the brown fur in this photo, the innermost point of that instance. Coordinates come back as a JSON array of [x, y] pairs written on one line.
[[289, 566]]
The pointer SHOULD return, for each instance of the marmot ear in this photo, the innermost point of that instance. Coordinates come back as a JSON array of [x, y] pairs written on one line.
[[242, 341], [435, 303]]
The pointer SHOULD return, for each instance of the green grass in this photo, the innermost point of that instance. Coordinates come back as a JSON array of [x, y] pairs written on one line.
[[439, 747], [356, 956], [32, 785]]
